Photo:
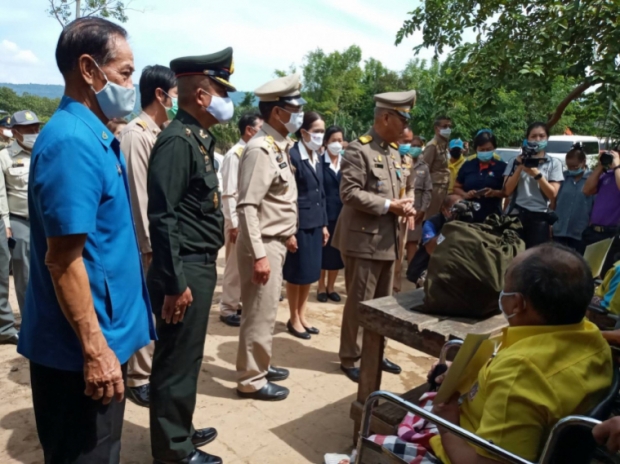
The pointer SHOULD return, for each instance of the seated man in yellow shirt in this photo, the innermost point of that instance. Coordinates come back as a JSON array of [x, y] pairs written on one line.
[[607, 294], [551, 362]]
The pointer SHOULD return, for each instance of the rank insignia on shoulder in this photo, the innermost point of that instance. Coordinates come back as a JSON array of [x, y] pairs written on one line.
[[142, 124], [282, 165], [239, 151], [203, 134], [188, 132], [365, 139], [394, 146]]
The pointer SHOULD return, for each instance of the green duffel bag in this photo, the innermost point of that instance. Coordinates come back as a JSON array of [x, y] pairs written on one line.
[[466, 270]]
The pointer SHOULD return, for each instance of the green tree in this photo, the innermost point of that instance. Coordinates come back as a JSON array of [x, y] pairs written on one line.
[[43, 107], [529, 42], [66, 10]]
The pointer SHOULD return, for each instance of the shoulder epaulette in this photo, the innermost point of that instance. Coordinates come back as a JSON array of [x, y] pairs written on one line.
[[496, 157], [365, 139], [471, 157], [394, 146], [238, 151], [142, 124]]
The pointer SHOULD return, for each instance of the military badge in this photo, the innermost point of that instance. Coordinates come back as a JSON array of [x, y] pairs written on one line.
[[216, 201], [203, 134], [188, 132]]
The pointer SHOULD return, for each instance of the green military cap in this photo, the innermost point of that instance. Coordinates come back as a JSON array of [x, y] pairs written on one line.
[[401, 102], [24, 118], [284, 89], [218, 66]]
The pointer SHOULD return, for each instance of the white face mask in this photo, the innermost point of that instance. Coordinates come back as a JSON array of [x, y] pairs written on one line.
[[28, 140], [445, 133], [7, 133], [334, 148], [316, 140], [502, 294], [222, 108], [294, 123]]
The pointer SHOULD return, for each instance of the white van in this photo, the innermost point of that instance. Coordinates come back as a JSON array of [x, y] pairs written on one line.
[[559, 145]]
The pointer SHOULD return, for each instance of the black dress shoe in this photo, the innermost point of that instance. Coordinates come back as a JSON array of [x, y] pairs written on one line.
[[312, 330], [196, 457], [140, 395], [281, 298], [322, 297], [353, 373], [389, 366], [276, 374], [233, 320], [334, 297], [303, 335], [11, 340], [204, 436], [270, 392]]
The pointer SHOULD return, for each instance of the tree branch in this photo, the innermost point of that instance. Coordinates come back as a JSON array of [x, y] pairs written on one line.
[[54, 11], [575, 93]]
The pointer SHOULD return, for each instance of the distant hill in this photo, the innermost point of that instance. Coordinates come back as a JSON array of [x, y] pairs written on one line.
[[56, 91]]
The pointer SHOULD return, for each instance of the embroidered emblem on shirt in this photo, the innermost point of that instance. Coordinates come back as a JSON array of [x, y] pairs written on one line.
[[104, 136]]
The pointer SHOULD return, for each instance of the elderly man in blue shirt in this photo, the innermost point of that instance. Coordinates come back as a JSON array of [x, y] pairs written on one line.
[[87, 308]]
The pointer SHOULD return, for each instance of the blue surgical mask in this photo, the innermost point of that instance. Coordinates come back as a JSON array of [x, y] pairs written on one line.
[[538, 146], [502, 294], [414, 152], [576, 172], [115, 100], [485, 155], [403, 148]]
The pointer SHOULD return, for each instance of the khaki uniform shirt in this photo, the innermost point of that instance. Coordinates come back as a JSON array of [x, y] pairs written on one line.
[[230, 177], [137, 140], [15, 165], [371, 174], [267, 204], [436, 157], [422, 185]]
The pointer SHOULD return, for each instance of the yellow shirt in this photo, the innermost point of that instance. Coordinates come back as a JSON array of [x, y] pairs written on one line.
[[540, 375], [454, 167], [609, 290]]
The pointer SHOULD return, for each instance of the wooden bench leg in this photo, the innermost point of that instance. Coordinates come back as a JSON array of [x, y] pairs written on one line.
[[370, 370]]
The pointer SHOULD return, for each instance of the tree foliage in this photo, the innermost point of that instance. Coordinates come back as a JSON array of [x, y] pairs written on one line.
[[66, 10], [43, 107], [527, 43]]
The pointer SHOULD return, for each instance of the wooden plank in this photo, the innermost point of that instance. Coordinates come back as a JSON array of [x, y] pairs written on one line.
[[370, 369]]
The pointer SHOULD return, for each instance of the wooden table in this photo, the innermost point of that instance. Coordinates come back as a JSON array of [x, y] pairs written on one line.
[[391, 317]]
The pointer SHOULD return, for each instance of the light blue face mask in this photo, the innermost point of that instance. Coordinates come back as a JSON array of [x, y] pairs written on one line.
[[403, 149], [502, 294], [115, 100], [576, 172], [415, 152], [485, 155]]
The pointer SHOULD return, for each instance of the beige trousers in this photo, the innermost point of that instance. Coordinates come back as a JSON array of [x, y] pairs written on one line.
[[141, 363], [365, 279], [398, 265], [230, 301], [258, 319], [439, 194]]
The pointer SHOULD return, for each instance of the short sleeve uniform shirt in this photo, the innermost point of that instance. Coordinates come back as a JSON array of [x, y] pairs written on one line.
[[78, 185]]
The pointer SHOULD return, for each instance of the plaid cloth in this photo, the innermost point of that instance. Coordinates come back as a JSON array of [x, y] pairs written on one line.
[[414, 433]]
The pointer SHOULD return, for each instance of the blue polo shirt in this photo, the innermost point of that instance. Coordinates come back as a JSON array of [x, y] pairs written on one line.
[[78, 185], [476, 175]]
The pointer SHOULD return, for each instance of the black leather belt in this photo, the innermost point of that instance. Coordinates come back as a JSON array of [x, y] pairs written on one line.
[[11, 215], [204, 258]]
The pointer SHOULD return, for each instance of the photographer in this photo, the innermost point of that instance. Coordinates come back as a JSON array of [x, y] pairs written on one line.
[[533, 179], [604, 182]]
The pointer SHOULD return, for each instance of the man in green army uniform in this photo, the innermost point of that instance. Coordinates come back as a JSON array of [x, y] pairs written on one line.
[[186, 225]]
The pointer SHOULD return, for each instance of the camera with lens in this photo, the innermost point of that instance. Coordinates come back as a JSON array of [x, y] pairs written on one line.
[[528, 153], [606, 159], [464, 210]]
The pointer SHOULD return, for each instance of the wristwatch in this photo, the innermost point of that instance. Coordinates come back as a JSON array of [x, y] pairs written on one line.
[[538, 176]]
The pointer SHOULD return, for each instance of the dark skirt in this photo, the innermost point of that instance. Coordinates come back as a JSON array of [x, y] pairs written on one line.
[[332, 259], [304, 266]]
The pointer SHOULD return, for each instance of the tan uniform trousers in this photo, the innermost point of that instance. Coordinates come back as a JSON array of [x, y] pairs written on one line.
[[140, 364], [230, 301], [439, 194], [258, 319], [365, 279], [398, 265]]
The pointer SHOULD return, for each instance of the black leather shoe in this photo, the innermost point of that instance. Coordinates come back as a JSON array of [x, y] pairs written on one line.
[[11, 340], [322, 297], [389, 366], [303, 335], [196, 457], [281, 298], [270, 392], [353, 373], [233, 320], [312, 330], [140, 395], [276, 374], [204, 436], [334, 297]]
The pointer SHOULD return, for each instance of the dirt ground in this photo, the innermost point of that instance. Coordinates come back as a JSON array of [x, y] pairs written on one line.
[[314, 420]]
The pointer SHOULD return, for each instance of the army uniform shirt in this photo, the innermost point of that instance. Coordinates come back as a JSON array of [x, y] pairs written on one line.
[[137, 140], [184, 206], [15, 165], [267, 204]]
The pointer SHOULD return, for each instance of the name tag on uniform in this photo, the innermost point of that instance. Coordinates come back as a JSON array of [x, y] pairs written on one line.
[[379, 165], [282, 165], [18, 165]]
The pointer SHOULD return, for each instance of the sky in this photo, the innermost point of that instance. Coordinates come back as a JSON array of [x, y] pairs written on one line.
[[265, 34]]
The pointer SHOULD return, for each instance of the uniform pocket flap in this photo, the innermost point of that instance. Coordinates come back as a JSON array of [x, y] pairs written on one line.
[[369, 228], [379, 173], [211, 181], [304, 204]]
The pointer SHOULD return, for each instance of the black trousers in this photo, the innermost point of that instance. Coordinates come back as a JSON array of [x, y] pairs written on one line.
[[573, 243], [73, 428], [177, 360], [536, 228]]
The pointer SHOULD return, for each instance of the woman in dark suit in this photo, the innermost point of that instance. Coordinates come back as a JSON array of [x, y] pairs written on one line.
[[303, 267], [332, 261]]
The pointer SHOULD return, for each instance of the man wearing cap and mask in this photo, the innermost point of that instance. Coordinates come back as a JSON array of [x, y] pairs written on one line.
[[436, 157], [15, 165], [6, 136], [368, 226], [186, 225], [267, 209], [158, 95], [87, 308]]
